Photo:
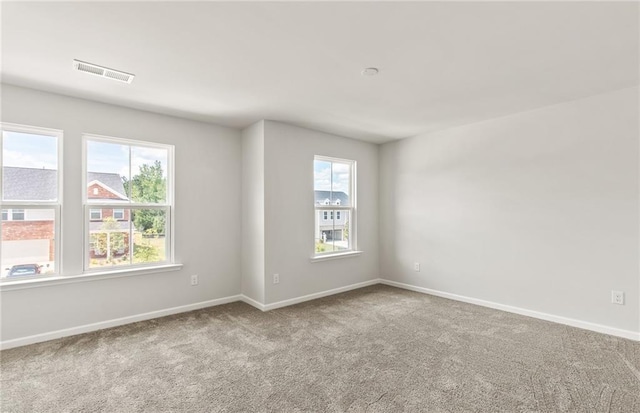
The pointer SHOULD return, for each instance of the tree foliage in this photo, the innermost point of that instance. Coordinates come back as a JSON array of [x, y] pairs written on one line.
[[112, 239], [148, 186]]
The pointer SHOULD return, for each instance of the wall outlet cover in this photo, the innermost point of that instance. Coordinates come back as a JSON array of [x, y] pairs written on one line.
[[617, 297]]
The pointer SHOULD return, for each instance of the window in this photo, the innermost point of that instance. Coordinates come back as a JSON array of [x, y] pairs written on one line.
[[30, 201], [13, 214], [95, 214], [131, 184], [118, 214], [17, 214], [334, 192]]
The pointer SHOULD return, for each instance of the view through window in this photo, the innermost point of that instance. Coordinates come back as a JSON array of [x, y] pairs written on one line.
[[30, 201], [128, 203], [334, 201]]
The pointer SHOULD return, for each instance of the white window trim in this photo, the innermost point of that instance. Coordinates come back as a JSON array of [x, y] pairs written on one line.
[[56, 205], [167, 206], [92, 210], [353, 216], [13, 213], [120, 211]]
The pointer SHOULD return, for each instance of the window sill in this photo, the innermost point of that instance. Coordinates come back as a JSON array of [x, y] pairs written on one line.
[[92, 276], [328, 257]]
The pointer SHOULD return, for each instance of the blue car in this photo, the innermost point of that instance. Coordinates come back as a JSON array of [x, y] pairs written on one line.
[[24, 269]]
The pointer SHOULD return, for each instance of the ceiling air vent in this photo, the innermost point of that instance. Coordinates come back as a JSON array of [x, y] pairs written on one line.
[[103, 71]]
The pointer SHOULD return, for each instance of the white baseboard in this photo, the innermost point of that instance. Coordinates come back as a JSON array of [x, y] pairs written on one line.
[[37, 338], [87, 328], [252, 302], [309, 297], [632, 335]]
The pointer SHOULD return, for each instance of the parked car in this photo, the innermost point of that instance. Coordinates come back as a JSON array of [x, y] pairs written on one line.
[[24, 269]]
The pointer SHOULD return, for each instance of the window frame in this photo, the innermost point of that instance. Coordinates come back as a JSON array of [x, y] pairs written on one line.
[[92, 210], [14, 212], [119, 210], [56, 205], [167, 206], [352, 208]]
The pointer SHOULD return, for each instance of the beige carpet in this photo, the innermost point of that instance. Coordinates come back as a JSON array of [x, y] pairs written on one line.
[[378, 349]]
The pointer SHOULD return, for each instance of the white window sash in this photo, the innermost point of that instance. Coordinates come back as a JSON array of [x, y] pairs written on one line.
[[24, 205]]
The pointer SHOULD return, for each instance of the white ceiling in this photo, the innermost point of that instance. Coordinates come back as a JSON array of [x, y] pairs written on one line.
[[441, 64]]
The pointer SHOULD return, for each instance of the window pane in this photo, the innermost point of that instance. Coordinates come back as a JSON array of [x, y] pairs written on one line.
[[321, 175], [332, 234], [29, 167], [332, 183], [95, 214], [341, 231], [323, 232], [109, 241], [28, 244], [107, 172], [118, 214], [322, 182], [17, 214], [149, 237], [149, 174], [340, 183]]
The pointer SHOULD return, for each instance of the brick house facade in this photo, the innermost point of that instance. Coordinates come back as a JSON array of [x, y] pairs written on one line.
[[30, 230], [28, 235]]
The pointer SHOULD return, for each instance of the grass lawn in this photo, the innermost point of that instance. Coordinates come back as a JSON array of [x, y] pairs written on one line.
[[324, 247], [158, 244], [149, 250]]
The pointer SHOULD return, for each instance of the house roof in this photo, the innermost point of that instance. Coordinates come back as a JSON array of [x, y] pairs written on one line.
[[20, 184], [112, 181], [33, 184], [322, 196]]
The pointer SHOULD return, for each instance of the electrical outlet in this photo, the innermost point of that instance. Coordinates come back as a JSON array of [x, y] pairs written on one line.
[[276, 278], [416, 266], [617, 297], [194, 279]]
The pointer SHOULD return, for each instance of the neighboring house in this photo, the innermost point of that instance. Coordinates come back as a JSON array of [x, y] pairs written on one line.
[[28, 234], [107, 187], [331, 224]]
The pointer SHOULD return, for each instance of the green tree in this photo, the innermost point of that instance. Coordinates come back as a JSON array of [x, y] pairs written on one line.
[[148, 186], [145, 252], [111, 241], [346, 229]]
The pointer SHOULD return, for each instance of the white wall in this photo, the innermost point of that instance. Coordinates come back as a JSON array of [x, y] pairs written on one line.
[[253, 212], [537, 210], [289, 212], [207, 234]]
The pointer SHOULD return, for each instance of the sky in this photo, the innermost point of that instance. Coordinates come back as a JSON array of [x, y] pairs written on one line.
[[40, 151], [114, 158], [29, 151], [327, 180]]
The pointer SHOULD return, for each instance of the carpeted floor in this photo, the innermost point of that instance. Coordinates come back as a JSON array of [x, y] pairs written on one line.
[[377, 349]]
